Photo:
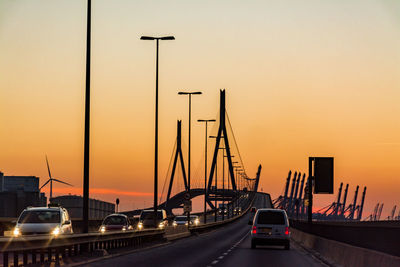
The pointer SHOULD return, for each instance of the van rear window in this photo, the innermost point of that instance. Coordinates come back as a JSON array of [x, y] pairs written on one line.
[[271, 217]]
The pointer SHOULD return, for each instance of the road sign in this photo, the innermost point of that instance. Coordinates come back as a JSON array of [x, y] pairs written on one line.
[[187, 206], [323, 175]]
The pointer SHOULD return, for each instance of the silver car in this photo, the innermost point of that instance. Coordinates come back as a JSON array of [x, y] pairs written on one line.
[[270, 227], [51, 221]]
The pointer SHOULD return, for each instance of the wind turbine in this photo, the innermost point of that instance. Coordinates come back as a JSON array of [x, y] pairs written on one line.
[[51, 180]]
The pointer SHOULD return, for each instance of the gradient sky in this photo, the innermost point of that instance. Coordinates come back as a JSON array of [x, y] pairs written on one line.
[[303, 78]]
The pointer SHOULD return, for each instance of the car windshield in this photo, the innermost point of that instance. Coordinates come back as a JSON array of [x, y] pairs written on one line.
[[181, 219], [115, 220], [271, 217], [40, 216], [148, 215]]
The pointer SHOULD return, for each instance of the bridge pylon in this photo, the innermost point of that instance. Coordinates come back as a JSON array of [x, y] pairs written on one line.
[[222, 133], [178, 154]]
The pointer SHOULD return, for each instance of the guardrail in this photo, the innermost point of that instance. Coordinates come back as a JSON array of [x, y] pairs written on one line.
[[381, 237], [209, 226], [45, 248], [41, 247]]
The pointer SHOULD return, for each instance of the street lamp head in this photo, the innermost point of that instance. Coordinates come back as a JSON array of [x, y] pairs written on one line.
[[157, 38], [205, 120], [189, 93], [147, 38], [167, 38]]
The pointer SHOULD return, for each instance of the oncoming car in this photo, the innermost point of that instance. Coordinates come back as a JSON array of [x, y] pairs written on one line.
[[237, 211], [50, 221], [115, 222], [146, 219], [182, 220], [270, 227]]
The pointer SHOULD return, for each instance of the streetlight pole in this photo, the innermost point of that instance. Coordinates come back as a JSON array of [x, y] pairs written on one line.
[[223, 182], [190, 116], [216, 185], [205, 170], [227, 213], [156, 124], [87, 125]]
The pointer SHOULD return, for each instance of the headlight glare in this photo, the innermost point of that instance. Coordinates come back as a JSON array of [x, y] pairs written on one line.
[[56, 231], [16, 232]]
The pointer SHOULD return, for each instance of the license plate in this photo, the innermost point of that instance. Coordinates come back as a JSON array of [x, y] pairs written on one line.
[[266, 230]]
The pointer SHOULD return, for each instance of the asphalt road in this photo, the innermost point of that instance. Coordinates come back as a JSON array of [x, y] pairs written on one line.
[[229, 246]]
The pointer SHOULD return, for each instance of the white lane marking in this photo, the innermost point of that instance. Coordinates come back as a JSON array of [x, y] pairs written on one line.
[[229, 250]]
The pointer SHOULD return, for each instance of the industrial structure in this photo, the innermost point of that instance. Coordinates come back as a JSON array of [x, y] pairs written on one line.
[[18, 192], [97, 209], [296, 201]]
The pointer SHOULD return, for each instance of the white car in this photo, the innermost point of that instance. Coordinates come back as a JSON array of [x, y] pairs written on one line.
[[270, 227], [51, 221]]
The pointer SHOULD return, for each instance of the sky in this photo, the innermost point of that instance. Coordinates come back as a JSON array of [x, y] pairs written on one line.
[[302, 78]]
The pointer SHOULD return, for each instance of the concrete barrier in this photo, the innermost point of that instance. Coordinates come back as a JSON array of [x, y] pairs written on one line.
[[344, 254], [177, 232]]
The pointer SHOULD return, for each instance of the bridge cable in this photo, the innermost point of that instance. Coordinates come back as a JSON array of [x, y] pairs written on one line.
[[167, 174]]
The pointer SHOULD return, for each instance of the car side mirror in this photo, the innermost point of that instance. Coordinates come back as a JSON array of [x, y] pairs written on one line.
[[67, 222], [250, 223]]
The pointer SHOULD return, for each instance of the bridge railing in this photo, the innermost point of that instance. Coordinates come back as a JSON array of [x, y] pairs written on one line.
[[37, 249], [245, 205]]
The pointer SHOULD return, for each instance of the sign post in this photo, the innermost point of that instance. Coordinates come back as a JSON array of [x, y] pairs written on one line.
[[320, 173]]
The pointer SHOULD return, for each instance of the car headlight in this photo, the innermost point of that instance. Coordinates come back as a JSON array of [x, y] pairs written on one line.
[[174, 223], [196, 222], [161, 225], [140, 225], [56, 231], [16, 232], [102, 229], [123, 228]]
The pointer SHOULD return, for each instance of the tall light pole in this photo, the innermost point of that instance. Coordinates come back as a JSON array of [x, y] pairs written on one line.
[[190, 127], [235, 167], [205, 170], [228, 184], [86, 149], [223, 182], [216, 185], [156, 124]]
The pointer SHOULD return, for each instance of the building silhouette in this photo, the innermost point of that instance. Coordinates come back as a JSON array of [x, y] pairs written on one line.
[[19, 192]]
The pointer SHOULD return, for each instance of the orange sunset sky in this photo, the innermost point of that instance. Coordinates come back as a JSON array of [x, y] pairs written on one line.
[[303, 78]]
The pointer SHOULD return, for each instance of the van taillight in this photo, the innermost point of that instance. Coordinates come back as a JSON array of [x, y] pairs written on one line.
[[287, 231], [254, 231]]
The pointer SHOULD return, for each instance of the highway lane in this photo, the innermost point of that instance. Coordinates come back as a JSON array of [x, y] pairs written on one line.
[[229, 246]]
